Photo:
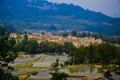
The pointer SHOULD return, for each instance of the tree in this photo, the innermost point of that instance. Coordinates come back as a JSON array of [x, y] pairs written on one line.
[[6, 56], [55, 47], [107, 52], [32, 47], [12, 42], [6, 29], [117, 59], [92, 53], [74, 33], [2, 30], [59, 76], [28, 46], [68, 46], [79, 55], [6, 53], [55, 65], [112, 39], [64, 34]]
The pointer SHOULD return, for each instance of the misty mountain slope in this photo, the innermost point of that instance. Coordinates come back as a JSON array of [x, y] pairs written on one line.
[[44, 15]]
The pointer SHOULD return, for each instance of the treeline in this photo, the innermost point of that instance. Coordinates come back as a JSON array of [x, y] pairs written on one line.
[[32, 47], [103, 53], [108, 39], [6, 29], [112, 39], [83, 34], [7, 55]]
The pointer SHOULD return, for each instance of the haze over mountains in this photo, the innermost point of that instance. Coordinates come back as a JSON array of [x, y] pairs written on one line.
[[44, 15]]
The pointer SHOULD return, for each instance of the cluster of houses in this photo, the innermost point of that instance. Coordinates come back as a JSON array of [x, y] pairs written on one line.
[[77, 41]]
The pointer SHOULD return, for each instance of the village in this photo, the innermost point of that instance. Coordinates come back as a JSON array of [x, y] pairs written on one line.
[[77, 41]]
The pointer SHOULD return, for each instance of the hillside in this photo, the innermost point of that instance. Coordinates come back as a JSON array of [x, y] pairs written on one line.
[[44, 15]]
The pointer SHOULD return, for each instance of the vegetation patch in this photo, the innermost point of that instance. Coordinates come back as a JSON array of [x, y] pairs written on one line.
[[98, 66], [20, 54], [24, 76], [24, 65], [97, 78], [73, 66]]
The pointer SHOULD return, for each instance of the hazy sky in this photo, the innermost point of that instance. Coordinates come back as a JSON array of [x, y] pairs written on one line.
[[108, 7]]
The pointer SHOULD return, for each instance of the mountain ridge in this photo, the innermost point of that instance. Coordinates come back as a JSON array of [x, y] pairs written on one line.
[[44, 15]]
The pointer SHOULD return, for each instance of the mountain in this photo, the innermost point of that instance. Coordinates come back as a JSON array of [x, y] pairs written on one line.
[[44, 15]]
